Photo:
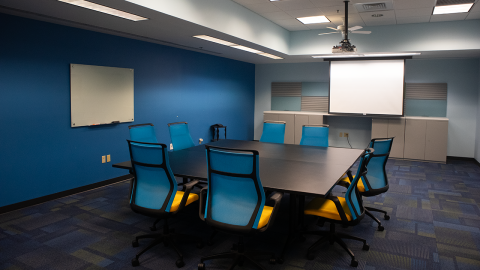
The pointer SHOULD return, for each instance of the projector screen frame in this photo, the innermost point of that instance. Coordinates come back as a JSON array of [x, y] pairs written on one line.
[[404, 58]]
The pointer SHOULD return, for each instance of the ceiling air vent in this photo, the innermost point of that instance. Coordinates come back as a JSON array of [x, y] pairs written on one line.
[[374, 6]]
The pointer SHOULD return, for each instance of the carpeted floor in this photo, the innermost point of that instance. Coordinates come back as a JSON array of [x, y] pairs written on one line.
[[435, 224]]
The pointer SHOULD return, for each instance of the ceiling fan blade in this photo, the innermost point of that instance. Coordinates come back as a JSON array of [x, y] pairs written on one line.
[[355, 28], [327, 33], [361, 32], [332, 28]]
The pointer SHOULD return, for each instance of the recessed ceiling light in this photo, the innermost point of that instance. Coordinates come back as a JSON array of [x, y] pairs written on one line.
[[270, 56], [452, 9], [390, 54], [104, 9], [313, 19], [240, 47], [216, 40]]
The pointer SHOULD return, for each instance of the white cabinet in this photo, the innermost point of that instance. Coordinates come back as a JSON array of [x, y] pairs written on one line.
[[415, 139], [436, 140], [390, 127], [295, 122]]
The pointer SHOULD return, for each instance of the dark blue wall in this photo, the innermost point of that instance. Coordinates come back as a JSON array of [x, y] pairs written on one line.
[[41, 154]]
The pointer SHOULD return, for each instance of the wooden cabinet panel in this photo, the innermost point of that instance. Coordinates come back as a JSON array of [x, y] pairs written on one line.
[[270, 117], [379, 128], [289, 127], [300, 120], [396, 128], [436, 141], [415, 132], [315, 119]]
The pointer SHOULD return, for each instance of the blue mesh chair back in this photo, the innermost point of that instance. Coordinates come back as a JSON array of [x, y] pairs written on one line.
[[235, 197], [180, 136], [143, 133], [376, 177], [352, 196], [273, 132], [154, 186], [315, 135]]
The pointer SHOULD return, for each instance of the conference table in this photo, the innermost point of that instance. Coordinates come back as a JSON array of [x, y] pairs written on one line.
[[298, 170]]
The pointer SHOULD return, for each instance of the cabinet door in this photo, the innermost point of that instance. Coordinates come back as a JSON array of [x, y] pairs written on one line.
[[415, 131], [315, 119], [396, 128], [379, 128], [270, 117], [436, 140], [289, 127], [300, 120]]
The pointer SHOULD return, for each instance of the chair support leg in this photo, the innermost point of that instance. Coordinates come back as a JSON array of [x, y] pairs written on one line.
[[256, 264], [376, 210], [218, 256], [154, 243], [344, 246]]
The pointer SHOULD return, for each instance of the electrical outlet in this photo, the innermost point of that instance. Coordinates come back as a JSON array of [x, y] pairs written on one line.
[[341, 134], [103, 159], [108, 158], [345, 134]]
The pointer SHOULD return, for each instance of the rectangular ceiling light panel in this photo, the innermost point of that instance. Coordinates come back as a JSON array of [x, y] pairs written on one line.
[[452, 9], [216, 40], [104, 9], [313, 19]]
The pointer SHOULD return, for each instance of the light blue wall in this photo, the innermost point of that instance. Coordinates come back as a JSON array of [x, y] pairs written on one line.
[[41, 154], [461, 75]]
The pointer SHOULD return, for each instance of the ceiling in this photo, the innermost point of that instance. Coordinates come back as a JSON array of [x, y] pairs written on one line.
[[172, 31], [285, 12]]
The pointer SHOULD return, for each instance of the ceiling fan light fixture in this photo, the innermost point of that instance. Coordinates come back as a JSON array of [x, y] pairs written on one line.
[[104, 9], [313, 19], [462, 8]]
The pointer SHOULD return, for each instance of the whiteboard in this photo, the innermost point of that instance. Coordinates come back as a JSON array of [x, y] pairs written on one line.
[[100, 95], [367, 87]]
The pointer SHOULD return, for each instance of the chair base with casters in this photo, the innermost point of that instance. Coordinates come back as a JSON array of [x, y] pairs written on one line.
[[240, 256], [332, 237], [167, 237]]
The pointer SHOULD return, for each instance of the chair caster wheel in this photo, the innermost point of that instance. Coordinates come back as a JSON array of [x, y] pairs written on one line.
[[366, 247], [135, 262], [272, 260], [386, 217], [200, 245], [280, 260], [179, 263], [354, 263], [310, 256], [381, 228], [153, 228], [134, 243], [201, 266]]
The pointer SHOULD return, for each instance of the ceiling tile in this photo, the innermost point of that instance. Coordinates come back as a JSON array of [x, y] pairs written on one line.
[[251, 2], [288, 22], [420, 19], [296, 28], [276, 15], [338, 10], [411, 4], [321, 26], [294, 4], [304, 12], [475, 8], [263, 8], [473, 16], [387, 15], [448, 17], [325, 3], [353, 19], [418, 12]]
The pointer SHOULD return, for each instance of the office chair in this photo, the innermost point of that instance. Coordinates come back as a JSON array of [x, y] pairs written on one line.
[[143, 133], [234, 201], [180, 136], [273, 132], [375, 182], [155, 194], [314, 135], [347, 211]]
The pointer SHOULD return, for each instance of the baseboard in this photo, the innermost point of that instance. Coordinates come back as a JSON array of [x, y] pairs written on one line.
[[58, 195], [473, 160]]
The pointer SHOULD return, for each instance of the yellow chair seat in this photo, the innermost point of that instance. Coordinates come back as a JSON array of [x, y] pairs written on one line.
[[326, 208], [265, 217], [360, 185], [178, 198]]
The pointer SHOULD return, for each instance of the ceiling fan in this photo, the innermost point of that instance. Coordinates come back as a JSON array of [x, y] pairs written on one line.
[[345, 45]]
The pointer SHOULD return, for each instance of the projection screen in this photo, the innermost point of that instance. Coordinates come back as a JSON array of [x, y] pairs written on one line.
[[367, 87]]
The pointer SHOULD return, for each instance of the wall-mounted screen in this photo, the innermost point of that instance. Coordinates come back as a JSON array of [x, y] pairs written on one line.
[[366, 87]]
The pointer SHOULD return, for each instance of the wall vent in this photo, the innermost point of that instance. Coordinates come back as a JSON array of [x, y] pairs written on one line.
[[374, 6]]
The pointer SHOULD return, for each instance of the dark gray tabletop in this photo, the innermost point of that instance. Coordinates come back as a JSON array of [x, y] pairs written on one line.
[[284, 167]]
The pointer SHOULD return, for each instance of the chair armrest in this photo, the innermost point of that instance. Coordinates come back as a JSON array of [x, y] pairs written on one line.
[[339, 207], [188, 188], [276, 197], [203, 200]]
